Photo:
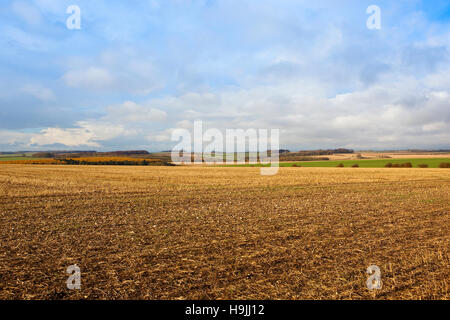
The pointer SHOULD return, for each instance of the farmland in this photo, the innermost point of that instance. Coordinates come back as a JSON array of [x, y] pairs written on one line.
[[431, 162], [15, 157], [223, 232], [88, 161]]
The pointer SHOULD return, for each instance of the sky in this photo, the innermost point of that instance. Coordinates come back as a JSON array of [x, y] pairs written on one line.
[[137, 70]]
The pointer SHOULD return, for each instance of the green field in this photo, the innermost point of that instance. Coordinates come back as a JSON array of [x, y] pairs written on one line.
[[432, 163], [18, 156]]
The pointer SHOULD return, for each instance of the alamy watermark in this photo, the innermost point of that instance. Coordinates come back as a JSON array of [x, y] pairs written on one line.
[[236, 146], [74, 280], [73, 22], [374, 20], [374, 281]]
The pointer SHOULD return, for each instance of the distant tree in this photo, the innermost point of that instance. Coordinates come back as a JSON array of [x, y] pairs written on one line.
[[42, 155], [406, 165]]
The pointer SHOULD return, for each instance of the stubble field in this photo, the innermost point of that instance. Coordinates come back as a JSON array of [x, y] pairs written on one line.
[[223, 233]]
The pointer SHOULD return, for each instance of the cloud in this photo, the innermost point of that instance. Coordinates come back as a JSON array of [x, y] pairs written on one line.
[[163, 136], [312, 69], [52, 6], [92, 78], [23, 39], [131, 112], [67, 137], [382, 116], [38, 92], [124, 70], [27, 12], [9, 137], [128, 120], [87, 134], [425, 58]]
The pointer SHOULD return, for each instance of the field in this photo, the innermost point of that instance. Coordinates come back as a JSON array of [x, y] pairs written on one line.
[[223, 232], [88, 161], [17, 158], [431, 162]]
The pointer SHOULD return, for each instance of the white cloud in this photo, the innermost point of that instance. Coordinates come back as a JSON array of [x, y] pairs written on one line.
[[14, 137], [404, 112], [68, 137], [439, 80], [163, 136], [401, 113], [124, 70], [92, 78], [55, 7], [131, 112], [29, 13], [325, 82], [436, 127], [24, 39], [38, 92], [120, 121], [87, 134]]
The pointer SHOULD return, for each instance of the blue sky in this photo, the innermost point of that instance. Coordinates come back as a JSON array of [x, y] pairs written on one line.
[[136, 70]]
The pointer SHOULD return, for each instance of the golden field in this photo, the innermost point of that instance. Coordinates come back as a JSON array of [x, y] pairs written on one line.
[[223, 233], [82, 160]]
